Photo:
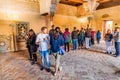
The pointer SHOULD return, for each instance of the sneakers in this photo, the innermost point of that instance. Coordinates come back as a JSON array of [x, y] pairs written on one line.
[[118, 57], [34, 62], [55, 74], [48, 70], [106, 52], [60, 68], [42, 68], [110, 52], [30, 59], [74, 51]]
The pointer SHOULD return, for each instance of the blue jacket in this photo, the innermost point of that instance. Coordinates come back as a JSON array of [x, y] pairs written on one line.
[[98, 35], [56, 44], [81, 36]]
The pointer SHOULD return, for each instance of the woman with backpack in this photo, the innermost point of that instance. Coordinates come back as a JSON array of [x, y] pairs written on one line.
[[67, 39], [57, 44]]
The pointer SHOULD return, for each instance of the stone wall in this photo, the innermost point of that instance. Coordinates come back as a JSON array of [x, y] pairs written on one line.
[[101, 15], [66, 10], [66, 16], [112, 14]]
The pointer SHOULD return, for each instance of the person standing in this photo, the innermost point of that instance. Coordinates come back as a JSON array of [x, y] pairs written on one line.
[[108, 40], [51, 32], [98, 36], [67, 39], [32, 47], [43, 42], [56, 44], [88, 38], [81, 38], [92, 37], [74, 36], [117, 41]]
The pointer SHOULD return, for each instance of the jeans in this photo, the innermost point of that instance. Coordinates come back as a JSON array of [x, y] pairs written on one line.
[[108, 45], [98, 41], [81, 42], [75, 44], [45, 57], [87, 41], [67, 47], [117, 47]]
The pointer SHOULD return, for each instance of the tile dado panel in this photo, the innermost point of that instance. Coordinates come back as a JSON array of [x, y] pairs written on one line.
[[5, 43]]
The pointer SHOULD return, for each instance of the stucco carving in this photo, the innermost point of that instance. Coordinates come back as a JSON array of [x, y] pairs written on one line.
[[5, 43]]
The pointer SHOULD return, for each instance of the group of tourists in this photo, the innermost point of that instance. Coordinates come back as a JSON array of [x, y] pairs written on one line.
[[57, 43], [84, 36], [46, 44]]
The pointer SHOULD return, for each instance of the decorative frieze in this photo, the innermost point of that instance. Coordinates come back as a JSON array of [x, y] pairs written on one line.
[[5, 43]]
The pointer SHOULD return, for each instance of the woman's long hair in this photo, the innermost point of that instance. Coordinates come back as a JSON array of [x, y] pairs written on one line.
[[57, 29], [31, 30]]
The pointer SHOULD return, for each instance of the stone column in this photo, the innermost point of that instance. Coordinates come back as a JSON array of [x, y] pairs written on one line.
[[14, 37], [53, 8], [90, 8]]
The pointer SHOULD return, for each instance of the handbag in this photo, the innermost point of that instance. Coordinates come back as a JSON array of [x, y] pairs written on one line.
[[61, 51]]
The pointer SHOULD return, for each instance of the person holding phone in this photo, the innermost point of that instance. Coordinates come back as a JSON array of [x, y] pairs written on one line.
[[43, 42]]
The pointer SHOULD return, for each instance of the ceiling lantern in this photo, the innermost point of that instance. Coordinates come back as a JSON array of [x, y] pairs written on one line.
[[48, 6], [90, 6], [53, 7]]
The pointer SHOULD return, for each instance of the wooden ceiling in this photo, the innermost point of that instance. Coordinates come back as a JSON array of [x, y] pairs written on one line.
[[103, 3], [108, 4]]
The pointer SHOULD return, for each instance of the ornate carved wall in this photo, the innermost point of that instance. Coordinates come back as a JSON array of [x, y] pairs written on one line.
[[5, 43], [22, 30]]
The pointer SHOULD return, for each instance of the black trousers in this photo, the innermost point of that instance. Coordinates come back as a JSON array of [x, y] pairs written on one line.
[[67, 47], [35, 57], [92, 41], [32, 55], [29, 51]]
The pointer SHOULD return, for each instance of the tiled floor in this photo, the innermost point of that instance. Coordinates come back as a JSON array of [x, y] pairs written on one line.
[[90, 64]]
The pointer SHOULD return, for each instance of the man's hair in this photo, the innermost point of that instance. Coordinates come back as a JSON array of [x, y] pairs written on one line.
[[53, 26], [43, 28], [57, 28], [66, 29], [115, 23], [74, 27]]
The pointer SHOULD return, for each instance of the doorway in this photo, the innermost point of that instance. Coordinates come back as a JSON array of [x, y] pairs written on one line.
[[107, 24]]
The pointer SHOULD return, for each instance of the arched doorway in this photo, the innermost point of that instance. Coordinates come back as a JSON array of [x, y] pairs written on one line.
[[107, 24]]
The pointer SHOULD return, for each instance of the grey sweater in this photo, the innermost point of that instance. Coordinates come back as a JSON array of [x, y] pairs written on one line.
[[117, 37]]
